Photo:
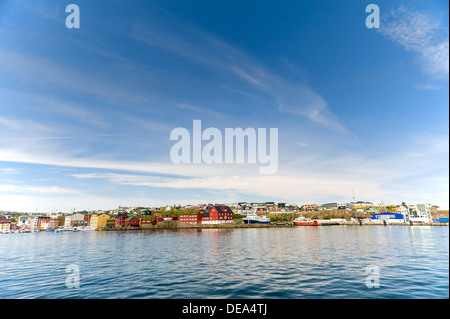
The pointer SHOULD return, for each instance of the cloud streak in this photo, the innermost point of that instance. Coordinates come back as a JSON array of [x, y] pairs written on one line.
[[213, 52], [419, 33]]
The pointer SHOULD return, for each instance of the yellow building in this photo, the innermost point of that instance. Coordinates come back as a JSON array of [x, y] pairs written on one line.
[[93, 222], [310, 207], [98, 221], [45, 224], [5, 225]]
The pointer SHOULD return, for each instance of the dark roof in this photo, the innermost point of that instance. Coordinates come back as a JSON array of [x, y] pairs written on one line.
[[220, 209]]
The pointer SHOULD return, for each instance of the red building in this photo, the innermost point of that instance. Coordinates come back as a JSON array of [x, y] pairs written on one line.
[[150, 221], [211, 215], [131, 221], [120, 219], [191, 218], [217, 215]]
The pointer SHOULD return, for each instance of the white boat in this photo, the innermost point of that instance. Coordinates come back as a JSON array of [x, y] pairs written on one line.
[[83, 228], [256, 219], [63, 229]]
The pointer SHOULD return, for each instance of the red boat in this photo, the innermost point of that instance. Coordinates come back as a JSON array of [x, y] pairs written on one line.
[[305, 222]]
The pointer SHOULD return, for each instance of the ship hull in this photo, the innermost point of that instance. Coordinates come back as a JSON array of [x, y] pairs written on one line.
[[256, 221], [306, 223]]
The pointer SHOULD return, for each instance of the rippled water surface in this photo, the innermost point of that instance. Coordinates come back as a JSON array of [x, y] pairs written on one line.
[[298, 262]]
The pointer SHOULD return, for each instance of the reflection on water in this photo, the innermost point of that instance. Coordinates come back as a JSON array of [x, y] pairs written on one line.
[[298, 262]]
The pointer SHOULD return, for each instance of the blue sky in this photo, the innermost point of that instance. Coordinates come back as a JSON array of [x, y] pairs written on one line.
[[86, 114]]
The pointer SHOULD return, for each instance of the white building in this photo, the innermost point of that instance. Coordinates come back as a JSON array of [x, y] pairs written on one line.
[[67, 220], [78, 220], [417, 212], [23, 221]]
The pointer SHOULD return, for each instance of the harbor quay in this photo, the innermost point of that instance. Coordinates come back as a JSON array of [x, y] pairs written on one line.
[[234, 215]]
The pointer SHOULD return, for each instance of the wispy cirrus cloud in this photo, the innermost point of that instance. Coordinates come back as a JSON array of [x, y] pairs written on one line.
[[421, 34], [428, 86], [219, 56], [195, 108], [46, 190], [29, 67]]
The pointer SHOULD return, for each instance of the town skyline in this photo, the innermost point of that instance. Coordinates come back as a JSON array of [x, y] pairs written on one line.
[[277, 206]]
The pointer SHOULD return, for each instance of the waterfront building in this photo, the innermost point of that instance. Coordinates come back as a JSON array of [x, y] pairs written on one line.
[[147, 220], [443, 219], [44, 223], [68, 220], [39, 222], [394, 217], [56, 222], [217, 215], [132, 221], [87, 217], [111, 222], [78, 220], [5, 225], [98, 221], [102, 220], [191, 218], [120, 219], [210, 215], [93, 222], [33, 223], [417, 212], [23, 221]]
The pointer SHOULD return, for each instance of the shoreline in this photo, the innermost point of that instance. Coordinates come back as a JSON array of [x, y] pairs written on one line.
[[244, 226], [183, 226]]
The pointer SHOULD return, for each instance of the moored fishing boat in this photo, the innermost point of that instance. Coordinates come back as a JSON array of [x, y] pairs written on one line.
[[301, 221], [256, 219]]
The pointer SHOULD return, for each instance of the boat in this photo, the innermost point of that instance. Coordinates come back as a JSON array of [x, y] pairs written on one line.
[[256, 219], [83, 228], [301, 221]]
